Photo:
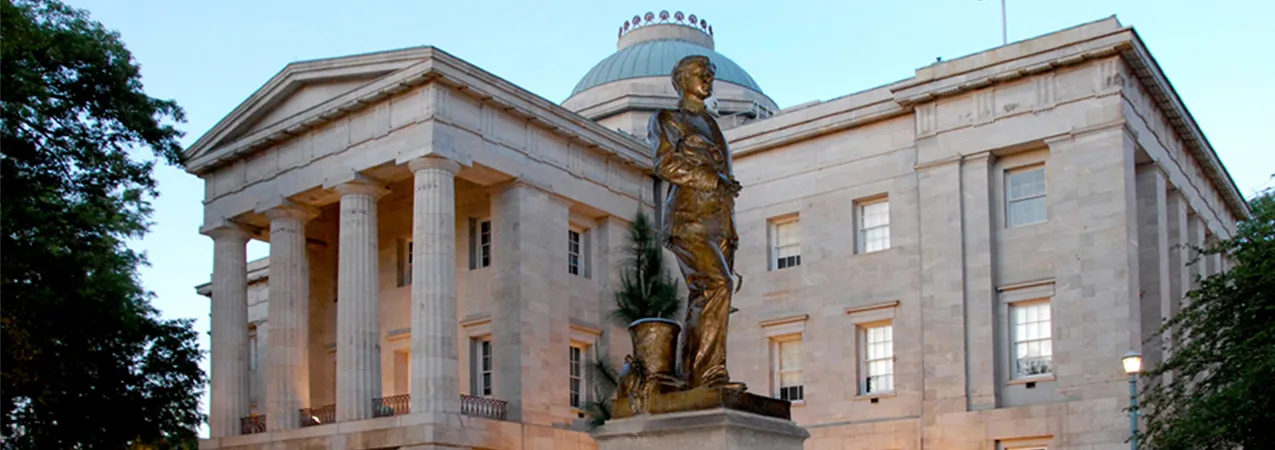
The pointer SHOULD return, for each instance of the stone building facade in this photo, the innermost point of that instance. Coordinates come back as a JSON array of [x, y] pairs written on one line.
[[957, 260]]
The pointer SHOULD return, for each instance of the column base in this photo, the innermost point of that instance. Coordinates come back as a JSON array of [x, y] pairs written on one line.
[[711, 429]]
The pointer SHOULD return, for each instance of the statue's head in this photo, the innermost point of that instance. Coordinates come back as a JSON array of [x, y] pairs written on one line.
[[693, 76]]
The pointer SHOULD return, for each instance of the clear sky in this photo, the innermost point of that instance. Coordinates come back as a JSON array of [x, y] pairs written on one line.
[[211, 55]]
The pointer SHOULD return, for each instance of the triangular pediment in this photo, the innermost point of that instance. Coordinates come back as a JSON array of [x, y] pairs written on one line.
[[301, 86]]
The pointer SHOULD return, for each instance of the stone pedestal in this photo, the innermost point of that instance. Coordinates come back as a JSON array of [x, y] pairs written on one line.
[[710, 429]]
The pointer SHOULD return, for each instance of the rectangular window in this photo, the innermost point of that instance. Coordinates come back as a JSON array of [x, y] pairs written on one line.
[[785, 238], [1033, 347], [252, 349], [1025, 196], [573, 252], [480, 361], [874, 226], [877, 352], [404, 262], [579, 393], [479, 243], [788, 370]]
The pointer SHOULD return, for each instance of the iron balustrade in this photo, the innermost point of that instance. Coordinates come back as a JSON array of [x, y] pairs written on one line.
[[252, 424], [485, 407], [318, 415], [393, 405]]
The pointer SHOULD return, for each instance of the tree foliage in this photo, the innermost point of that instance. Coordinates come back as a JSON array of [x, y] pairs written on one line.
[[1219, 393], [647, 290], [87, 361]]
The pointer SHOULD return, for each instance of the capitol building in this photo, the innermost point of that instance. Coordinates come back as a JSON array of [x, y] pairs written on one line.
[[953, 261]]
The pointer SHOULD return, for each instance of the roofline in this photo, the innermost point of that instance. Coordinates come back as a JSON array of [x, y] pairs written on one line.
[[285, 77], [1190, 129], [437, 65], [909, 92]]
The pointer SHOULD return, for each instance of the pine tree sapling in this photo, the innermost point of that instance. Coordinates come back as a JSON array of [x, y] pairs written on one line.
[[647, 290]]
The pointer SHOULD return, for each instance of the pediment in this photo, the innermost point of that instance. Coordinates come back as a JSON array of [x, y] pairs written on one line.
[[301, 86]]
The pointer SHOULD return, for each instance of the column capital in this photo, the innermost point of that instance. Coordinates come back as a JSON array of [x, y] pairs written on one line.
[[433, 162], [227, 230], [292, 211], [362, 186]]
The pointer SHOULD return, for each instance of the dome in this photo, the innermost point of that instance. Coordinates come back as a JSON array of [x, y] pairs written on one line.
[[656, 59]]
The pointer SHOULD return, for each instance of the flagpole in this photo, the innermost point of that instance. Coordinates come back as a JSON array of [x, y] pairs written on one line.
[[1004, 27]]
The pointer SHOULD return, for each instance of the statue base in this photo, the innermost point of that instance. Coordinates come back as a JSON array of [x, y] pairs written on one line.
[[709, 429], [706, 398]]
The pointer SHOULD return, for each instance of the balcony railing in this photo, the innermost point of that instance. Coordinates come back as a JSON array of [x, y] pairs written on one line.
[[318, 415], [485, 407], [393, 405], [252, 424]]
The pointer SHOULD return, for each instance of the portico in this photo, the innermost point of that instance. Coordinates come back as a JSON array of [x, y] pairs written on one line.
[[365, 174]]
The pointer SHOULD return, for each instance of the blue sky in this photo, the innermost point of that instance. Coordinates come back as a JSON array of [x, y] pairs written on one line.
[[210, 56]]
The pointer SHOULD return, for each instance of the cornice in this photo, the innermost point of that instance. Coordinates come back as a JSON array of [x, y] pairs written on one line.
[[441, 67]]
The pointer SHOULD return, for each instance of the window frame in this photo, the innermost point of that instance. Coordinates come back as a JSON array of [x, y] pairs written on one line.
[[794, 260], [577, 361], [1012, 333], [777, 370], [482, 356], [1009, 201], [865, 362], [860, 225], [480, 242]]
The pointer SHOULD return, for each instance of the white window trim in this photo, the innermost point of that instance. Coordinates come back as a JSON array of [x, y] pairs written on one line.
[[863, 317], [791, 328], [864, 362], [773, 239], [1005, 191], [861, 232], [583, 337], [405, 261], [583, 375], [479, 329], [1038, 291], [476, 245]]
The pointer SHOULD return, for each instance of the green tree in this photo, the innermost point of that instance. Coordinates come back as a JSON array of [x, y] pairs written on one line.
[[1222, 365], [647, 290], [87, 362]]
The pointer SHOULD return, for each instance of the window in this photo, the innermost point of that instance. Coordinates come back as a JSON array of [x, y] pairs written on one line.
[[404, 262], [252, 349], [874, 226], [788, 370], [785, 238], [1025, 196], [402, 371], [573, 252], [579, 392], [480, 359], [479, 243], [1033, 349], [578, 260], [877, 352]]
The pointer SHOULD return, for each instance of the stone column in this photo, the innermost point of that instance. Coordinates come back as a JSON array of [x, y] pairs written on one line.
[[229, 378], [358, 326], [1153, 254], [288, 363], [530, 325], [435, 358]]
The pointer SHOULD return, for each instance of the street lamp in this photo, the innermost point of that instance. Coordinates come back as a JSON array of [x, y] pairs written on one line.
[[1132, 363]]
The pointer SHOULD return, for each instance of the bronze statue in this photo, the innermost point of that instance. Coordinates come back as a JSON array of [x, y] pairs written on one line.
[[698, 224]]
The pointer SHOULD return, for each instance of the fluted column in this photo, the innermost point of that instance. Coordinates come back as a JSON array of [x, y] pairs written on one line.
[[358, 353], [435, 387], [229, 378], [288, 364]]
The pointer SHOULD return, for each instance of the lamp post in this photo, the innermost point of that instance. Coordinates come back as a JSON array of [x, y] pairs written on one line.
[[1132, 363]]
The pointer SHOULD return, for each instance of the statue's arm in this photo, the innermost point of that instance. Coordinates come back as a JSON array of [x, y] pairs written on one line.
[[678, 167]]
